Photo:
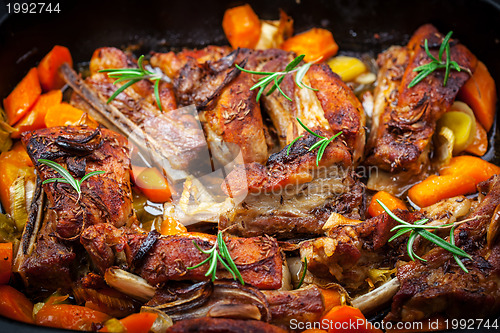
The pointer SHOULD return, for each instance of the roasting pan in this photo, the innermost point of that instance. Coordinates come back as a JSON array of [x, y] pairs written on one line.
[[358, 26]]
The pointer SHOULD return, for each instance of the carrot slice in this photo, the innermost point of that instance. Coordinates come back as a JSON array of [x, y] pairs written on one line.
[[62, 114], [139, 322], [460, 176], [374, 209], [170, 226], [345, 318], [152, 183], [241, 26], [23, 97], [331, 298], [317, 44], [70, 317], [48, 68], [5, 262], [479, 145], [35, 119], [479, 92], [14, 305]]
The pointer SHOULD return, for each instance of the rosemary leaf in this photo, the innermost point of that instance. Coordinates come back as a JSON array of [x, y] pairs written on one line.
[[303, 274], [292, 143]]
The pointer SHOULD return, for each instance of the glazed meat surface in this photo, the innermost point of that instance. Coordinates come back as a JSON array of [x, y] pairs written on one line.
[[441, 286], [290, 195], [258, 259], [105, 198], [405, 118]]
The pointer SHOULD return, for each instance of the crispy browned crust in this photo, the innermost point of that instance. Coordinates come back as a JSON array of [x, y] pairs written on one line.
[[171, 63], [236, 119], [341, 107], [281, 169], [220, 325], [350, 251], [403, 131], [304, 305], [440, 286], [258, 259], [105, 198]]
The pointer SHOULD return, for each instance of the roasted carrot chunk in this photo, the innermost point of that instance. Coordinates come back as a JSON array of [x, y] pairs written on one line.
[[23, 97], [479, 145], [35, 118], [241, 26], [139, 322], [374, 209], [70, 317], [331, 298], [48, 68], [460, 176], [317, 44], [14, 305], [345, 318], [5, 262], [479, 92], [62, 114]]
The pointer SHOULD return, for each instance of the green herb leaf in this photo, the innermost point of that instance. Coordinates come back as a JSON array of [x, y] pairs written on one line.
[[303, 274]]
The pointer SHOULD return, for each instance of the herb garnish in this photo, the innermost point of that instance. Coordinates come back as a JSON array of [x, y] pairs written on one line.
[[277, 77], [418, 228], [221, 256], [322, 144], [303, 274], [134, 75], [67, 177], [439, 63]]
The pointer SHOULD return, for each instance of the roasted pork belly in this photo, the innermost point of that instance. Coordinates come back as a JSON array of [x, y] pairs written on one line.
[[404, 119], [440, 286]]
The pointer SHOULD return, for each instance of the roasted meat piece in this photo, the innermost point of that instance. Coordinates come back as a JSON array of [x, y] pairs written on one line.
[[404, 119], [353, 248], [161, 259], [47, 258], [177, 135], [105, 198], [228, 108], [333, 106], [290, 196], [440, 286]]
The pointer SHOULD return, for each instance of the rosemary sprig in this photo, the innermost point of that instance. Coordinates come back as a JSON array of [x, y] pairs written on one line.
[[221, 256], [134, 75], [322, 144], [303, 274], [418, 228], [448, 64], [67, 178], [277, 77]]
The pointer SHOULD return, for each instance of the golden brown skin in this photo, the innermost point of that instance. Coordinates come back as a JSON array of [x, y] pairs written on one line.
[[258, 259], [405, 118], [229, 111], [333, 107], [441, 286], [105, 198]]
